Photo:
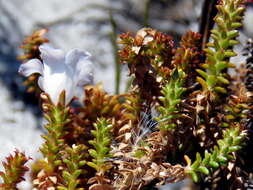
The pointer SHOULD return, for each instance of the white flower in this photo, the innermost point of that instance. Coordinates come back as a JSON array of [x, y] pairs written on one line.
[[60, 72]]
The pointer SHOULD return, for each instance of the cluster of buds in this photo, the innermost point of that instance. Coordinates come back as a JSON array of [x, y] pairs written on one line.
[[148, 56]]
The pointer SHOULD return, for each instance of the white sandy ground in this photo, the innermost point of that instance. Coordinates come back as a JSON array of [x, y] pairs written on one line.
[[18, 129]]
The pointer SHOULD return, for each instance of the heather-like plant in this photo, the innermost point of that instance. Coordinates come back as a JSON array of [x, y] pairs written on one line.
[[101, 144], [14, 171], [184, 116]]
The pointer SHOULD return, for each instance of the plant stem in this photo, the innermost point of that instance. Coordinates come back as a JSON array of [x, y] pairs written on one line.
[[115, 53], [146, 13]]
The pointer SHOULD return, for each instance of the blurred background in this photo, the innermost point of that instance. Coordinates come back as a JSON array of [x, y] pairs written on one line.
[[85, 24]]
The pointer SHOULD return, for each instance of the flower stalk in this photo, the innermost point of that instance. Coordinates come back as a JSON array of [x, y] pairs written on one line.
[[115, 53]]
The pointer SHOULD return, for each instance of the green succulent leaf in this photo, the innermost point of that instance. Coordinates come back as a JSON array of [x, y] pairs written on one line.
[[220, 49], [171, 98], [221, 155], [101, 144]]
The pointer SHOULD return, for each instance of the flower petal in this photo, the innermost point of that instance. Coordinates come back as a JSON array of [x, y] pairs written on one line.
[[31, 67], [80, 60], [60, 72], [52, 57], [40, 83], [79, 93], [55, 83], [84, 72], [53, 60], [73, 56]]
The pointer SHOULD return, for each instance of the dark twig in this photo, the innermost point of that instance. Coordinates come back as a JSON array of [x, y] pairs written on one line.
[[207, 20]]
